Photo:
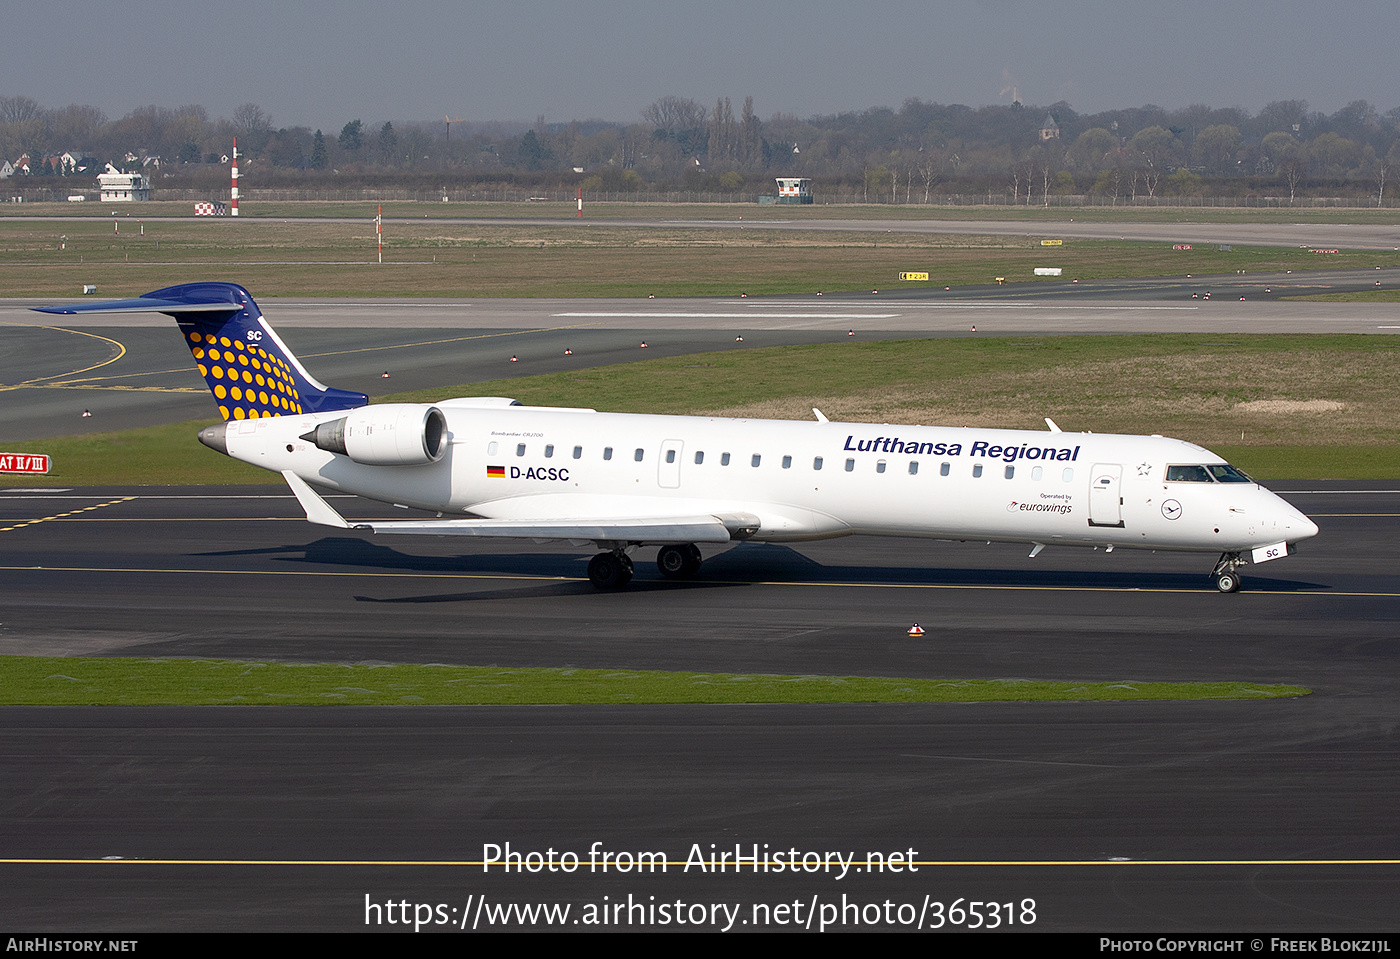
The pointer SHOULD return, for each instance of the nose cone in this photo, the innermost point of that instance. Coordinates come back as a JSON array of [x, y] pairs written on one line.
[[1293, 523], [1309, 528]]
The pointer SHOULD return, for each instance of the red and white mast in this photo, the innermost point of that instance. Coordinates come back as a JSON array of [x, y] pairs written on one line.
[[233, 190]]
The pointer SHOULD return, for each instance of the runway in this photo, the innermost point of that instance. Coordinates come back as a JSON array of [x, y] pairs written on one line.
[[133, 371], [1172, 817]]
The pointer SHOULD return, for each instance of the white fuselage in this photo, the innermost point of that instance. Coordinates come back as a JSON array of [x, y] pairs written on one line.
[[803, 480]]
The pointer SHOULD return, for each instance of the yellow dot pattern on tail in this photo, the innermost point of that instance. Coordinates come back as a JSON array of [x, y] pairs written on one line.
[[248, 382]]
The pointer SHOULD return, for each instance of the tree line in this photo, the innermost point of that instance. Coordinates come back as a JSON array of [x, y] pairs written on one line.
[[908, 155]]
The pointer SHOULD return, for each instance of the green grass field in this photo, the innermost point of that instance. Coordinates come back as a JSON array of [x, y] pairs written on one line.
[[53, 259], [1280, 407], [27, 680]]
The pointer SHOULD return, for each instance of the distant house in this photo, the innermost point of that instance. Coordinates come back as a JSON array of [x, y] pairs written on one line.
[[76, 162], [62, 163], [1049, 130], [6, 169], [119, 187]]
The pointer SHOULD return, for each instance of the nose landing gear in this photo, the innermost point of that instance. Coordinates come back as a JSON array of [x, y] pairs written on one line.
[[1226, 572]]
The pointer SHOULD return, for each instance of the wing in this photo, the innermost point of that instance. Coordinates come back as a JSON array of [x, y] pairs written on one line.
[[670, 529]]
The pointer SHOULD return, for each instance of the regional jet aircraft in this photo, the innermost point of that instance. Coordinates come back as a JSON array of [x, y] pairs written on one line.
[[623, 481]]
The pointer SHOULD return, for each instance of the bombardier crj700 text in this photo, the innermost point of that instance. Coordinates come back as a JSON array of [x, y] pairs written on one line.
[[623, 481]]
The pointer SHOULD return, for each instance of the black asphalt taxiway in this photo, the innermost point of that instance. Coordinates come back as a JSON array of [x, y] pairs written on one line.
[[1110, 817]]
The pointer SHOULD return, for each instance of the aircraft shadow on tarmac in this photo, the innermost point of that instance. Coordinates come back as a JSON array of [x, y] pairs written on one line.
[[744, 564]]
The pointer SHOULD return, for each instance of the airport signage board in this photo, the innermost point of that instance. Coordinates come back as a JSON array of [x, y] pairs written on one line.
[[914, 276], [25, 462]]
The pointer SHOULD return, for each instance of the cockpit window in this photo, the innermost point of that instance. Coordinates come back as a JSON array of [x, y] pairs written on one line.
[[1188, 474], [1225, 473]]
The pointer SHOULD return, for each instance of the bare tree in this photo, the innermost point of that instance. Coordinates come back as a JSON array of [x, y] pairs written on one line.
[[1289, 159], [1383, 167], [1155, 145], [250, 119], [19, 109], [675, 114], [929, 171], [750, 142], [723, 142]]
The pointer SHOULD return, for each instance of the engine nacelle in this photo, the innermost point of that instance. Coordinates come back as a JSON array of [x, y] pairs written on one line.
[[390, 434]]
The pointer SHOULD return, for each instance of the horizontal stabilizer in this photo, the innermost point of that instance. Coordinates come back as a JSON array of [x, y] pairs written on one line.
[[142, 304]]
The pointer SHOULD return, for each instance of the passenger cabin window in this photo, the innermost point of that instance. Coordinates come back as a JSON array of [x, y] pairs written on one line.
[[699, 457], [519, 449], [1188, 474], [880, 466], [549, 451], [724, 459], [977, 470], [816, 463], [757, 458], [1037, 472], [637, 454], [913, 467], [787, 462], [607, 452], [670, 455], [578, 452], [850, 465], [944, 469], [1068, 476], [1010, 472], [491, 448]]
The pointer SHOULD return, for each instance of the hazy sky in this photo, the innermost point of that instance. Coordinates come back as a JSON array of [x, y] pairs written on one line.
[[320, 64]]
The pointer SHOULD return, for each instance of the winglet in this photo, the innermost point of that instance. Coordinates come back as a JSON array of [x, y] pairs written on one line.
[[1054, 427], [318, 511], [821, 417]]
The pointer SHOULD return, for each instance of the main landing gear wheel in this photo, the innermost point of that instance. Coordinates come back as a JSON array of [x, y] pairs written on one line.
[[679, 562], [610, 570]]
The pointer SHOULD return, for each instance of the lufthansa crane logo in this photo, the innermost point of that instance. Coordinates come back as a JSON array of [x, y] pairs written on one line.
[[1171, 509]]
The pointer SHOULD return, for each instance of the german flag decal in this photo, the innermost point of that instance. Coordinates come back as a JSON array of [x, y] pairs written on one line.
[[498, 472]]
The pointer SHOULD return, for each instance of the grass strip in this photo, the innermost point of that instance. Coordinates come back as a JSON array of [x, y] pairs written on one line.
[[428, 258], [1278, 406], [34, 681]]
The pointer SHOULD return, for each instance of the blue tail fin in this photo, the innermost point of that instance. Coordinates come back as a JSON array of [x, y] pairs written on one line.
[[249, 369]]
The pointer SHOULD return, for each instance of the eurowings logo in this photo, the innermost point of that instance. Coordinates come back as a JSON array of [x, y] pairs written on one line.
[[1061, 508]]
